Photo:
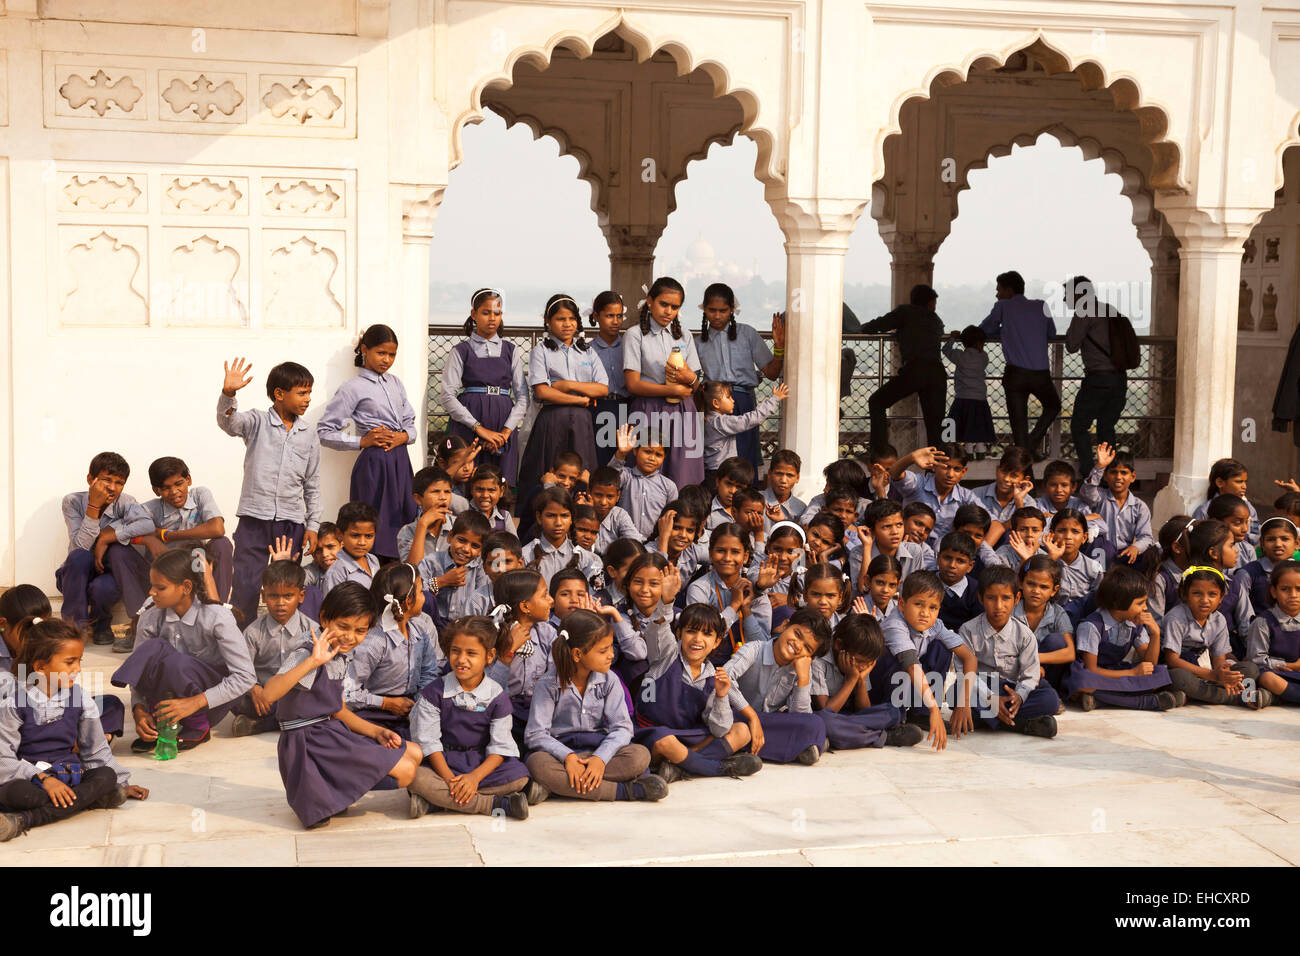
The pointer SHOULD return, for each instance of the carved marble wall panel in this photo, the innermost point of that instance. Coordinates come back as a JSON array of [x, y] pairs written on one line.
[[306, 278], [207, 278], [102, 275]]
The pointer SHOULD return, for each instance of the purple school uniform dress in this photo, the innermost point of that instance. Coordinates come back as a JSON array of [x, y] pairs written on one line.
[[1283, 645], [380, 478], [325, 766], [1256, 582], [485, 393], [466, 733], [1110, 656], [676, 709]]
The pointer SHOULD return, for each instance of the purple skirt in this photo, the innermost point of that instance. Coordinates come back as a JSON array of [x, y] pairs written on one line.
[[326, 768], [491, 411], [464, 761], [679, 428], [972, 420], [786, 735], [382, 479], [1082, 679]]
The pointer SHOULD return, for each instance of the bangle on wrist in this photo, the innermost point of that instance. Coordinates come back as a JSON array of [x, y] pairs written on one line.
[[162, 535], [778, 353]]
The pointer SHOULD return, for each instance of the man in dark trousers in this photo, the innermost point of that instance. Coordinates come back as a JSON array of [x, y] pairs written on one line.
[[1104, 388], [920, 332], [1023, 327]]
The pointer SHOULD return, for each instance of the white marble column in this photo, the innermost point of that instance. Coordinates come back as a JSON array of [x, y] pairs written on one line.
[[1204, 423], [419, 207], [814, 302]]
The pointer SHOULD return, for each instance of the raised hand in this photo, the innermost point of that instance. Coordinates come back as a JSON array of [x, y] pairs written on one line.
[[672, 584], [781, 392], [282, 550], [237, 376], [625, 441], [1020, 545], [767, 573], [778, 330], [1105, 455]]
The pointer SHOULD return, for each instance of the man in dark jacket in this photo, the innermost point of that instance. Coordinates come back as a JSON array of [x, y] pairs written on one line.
[[919, 331], [1104, 389]]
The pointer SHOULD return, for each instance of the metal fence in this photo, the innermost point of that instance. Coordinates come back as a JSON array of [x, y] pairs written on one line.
[[1146, 428]]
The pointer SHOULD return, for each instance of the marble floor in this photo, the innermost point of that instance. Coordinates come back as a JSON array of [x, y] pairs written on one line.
[[1119, 788]]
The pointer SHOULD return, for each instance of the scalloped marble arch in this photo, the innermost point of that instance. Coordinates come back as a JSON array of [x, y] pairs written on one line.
[[1166, 167], [1293, 140], [645, 46]]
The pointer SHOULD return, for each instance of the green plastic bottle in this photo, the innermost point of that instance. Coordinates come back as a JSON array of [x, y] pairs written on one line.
[[165, 747]]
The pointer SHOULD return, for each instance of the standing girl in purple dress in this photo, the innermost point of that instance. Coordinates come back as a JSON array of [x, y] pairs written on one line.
[[661, 368], [375, 402], [330, 757], [463, 721], [483, 386]]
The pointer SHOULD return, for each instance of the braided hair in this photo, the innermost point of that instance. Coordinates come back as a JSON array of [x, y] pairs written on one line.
[[603, 302], [553, 305], [659, 287], [719, 290], [478, 298]]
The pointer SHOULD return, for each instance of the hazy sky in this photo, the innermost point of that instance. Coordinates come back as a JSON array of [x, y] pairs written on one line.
[[516, 214]]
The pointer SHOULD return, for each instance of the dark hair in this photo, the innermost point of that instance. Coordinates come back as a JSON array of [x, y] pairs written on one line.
[[914, 508], [566, 574], [1027, 513], [920, 582], [1120, 587], [684, 510], [160, 469], [973, 337], [109, 462], [553, 495], [372, 337], [885, 564], [832, 523], [821, 571], [713, 389], [881, 450], [1202, 574], [447, 444], [398, 580], [954, 451], [731, 529], [284, 573], [286, 377], [486, 472], [477, 299], [787, 530], [813, 619], [349, 599], [620, 550], [511, 590], [658, 287], [1123, 459], [1172, 532], [41, 642], [178, 566], [959, 542], [1282, 522], [605, 477], [1203, 536], [1223, 507], [840, 493], [585, 513], [356, 512], [846, 471], [1018, 459], [1013, 281], [1288, 503], [1279, 569], [567, 458], [697, 497], [602, 302], [1041, 563], [719, 290], [745, 495], [501, 541], [476, 626], [646, 559], [922, 294], [328, 528], [1070, 514], [1054, 468], [472, 522], [1222, 470], [784, 456], [737, 470], [879, 510], [553, 305], [23, 600], [429, 476], [581, 630], [861, 636], [996, 574], [972, 514], [700, 617]]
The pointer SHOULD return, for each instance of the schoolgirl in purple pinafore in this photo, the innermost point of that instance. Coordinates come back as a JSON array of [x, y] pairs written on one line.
[[1283, 645], [675, 709], [466, 733], [325, 766], [1126, 691], [1257, 575]]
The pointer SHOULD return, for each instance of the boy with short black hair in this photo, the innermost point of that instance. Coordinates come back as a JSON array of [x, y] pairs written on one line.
[[615, 522], [454, 576], [101, 566], [940, 487], [1007, 654], [918, 522], [283, 628], [645, 488], [732, 475], [956, 561], [356, 521], [1126, 516], [432, 489], [486, 488], [782, 475], [281, 491], [186, 515], [1059, 486]]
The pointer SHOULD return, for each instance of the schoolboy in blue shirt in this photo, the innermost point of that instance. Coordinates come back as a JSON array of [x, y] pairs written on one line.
[[186, 515]]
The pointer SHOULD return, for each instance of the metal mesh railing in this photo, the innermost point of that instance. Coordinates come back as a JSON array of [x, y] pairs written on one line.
[[1146, 427]]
